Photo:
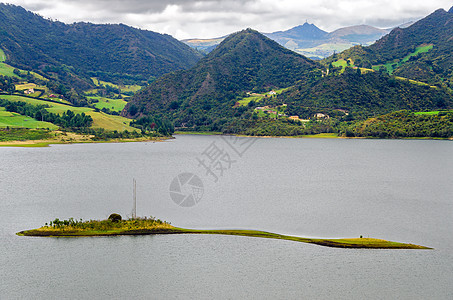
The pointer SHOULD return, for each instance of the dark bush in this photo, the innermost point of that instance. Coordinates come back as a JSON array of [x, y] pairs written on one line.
[[115, 217]]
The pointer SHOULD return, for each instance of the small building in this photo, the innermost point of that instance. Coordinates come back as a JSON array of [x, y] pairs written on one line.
[[321, 116], [29, 91], [272, 93]]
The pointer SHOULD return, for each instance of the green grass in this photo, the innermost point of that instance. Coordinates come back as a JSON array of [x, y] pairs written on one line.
[[435, 112], [415, 82], [100, 120], [11, 119], [391, 66], [23, 135], [112, 104], [25, 86], [2, 56], [341, 63], [7, 70], [420, 49], [130, 88], [151, 226], [245, 101], [258, 97]]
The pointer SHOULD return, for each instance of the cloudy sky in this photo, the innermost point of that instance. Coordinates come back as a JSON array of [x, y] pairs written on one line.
[[214, 18]]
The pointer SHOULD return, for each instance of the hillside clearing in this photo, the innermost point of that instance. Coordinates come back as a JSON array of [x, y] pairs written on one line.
[[15, 120], [112, 104], [100, 119]]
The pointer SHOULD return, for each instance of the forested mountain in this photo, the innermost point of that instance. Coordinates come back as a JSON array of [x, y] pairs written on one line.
[[363, 95], [31, 42], [422, 51], [245, 61]]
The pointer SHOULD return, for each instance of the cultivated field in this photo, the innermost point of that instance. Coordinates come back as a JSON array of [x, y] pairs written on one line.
[[100, 120]]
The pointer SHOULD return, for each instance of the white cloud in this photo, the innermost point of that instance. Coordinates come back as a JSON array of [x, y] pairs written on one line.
[[213, 18]]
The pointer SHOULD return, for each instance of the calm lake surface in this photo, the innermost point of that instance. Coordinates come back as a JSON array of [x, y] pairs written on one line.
[[399, 190]]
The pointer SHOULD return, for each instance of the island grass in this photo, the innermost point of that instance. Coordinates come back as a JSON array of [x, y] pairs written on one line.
[[149, 226]]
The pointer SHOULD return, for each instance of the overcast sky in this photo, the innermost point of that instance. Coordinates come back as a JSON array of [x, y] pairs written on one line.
[[213, 18]]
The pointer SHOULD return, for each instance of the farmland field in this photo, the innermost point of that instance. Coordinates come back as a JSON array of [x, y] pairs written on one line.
[[10, 119], [100, 120], [112, 104]]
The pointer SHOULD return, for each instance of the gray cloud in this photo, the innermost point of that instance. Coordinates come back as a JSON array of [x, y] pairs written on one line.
[[212, 18]]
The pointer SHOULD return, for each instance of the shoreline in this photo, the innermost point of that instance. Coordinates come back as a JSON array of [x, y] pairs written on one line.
[[309, 136], [356, 243], [85, 139], [73, 138]]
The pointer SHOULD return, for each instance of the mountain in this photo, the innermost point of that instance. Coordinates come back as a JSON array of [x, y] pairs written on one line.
[[302, 36], [31, 42], [244, 61], [309, 40], [362, 34], [362, 95], [204, 45], [422, 51]]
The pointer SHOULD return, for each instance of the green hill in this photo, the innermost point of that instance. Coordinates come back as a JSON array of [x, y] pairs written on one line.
[[421, 52], [69, 52], [367, 94], [245, 61]]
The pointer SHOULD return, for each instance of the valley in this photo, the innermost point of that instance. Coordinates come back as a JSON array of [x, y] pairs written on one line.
[[248, 84]]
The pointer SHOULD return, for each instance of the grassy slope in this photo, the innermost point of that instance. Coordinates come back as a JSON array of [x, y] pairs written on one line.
[[7, 70], [258, 97], [124, 88], [435, 112], [100, 120], [10, 119], [129, 229], [391, 66], [112, 104]]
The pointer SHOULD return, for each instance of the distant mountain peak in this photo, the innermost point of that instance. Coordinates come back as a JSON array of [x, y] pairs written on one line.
[[306, 31], [451, 10]]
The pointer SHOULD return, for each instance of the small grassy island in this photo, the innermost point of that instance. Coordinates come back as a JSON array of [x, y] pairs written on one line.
[[114, 225]]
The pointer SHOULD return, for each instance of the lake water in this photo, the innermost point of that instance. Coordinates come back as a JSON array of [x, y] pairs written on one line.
[[399, 190]]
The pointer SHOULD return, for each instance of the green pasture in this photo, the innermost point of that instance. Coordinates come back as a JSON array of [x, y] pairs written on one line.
[[10, 119], [2, 56], [100, 120], [112, 104]]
